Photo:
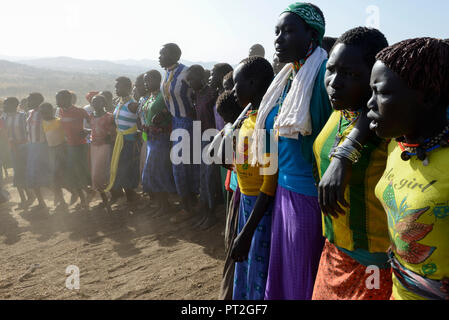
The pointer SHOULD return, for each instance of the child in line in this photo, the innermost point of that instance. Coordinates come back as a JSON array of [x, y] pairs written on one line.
[[15, 127], [103, 137], [56, 152]]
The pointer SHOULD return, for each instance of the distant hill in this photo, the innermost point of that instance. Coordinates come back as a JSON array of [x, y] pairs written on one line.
[[130, 68], [85, 66], [49, 75], [19, 80]]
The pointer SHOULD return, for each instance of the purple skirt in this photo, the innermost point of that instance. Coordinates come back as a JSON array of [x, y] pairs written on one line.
[[296, 245]]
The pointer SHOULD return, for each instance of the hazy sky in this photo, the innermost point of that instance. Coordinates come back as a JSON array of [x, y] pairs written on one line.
[[206, 30]]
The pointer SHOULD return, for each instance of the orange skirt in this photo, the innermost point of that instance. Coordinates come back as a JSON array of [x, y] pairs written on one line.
[[342, 278]]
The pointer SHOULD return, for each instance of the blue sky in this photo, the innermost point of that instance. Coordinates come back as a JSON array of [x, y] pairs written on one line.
[[206, 30]]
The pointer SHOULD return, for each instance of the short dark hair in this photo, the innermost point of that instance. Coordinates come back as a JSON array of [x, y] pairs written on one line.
[[196, 69], [228, 107], [422, 63], [46, 105], [258, 68], [328, 43], [36, 95], [10, 104], [125, 80], [174, 49], [106, 93], [259, 49], [222, 69], [371, 41], [12, 100], [155, 74], [64, 92]]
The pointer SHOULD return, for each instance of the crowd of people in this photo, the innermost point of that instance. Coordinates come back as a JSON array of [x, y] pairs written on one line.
[[356, 131]]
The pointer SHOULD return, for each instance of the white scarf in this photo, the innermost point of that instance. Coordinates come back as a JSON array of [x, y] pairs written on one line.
[[294, 117]]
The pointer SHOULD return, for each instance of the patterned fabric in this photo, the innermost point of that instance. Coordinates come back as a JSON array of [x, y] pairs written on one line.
[[72, 120], [186, 175], [250, 276], [177, 94], [416, 284], [141, 116], [157, 173], [124, 118], [250, 181], [15, 125], [296, 246], [364, 226], [310, 16], [416, 200], [342, 278], [34, 127]]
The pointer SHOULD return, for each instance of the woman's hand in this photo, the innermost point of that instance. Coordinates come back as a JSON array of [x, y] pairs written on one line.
[[240, 247], [331, 190]]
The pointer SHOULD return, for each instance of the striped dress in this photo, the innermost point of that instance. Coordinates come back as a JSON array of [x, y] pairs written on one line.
[[16, 134], [38, 169], [128, 166], [178, 99], [359, 238]]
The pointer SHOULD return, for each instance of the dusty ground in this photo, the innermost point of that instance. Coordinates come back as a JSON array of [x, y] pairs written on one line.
[[126, 255]]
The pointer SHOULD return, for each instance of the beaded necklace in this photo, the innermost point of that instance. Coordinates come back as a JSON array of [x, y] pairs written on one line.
[[422, 150], [349, 116]]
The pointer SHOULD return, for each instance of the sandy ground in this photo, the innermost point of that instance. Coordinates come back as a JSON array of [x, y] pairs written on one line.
[[126, 255]]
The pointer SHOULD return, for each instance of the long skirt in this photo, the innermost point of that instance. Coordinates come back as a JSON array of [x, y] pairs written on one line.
[[157, 174], [296, 246], [100, 159], [38, 172], [143, 157], [210, 179], [340, 277], [19, 161], [186, 174], [58, 166], [78, 166], [251, 275], [128, 166]]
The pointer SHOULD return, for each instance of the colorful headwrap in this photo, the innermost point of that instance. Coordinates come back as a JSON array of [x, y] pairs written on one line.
[[310, 15], [90, 95]]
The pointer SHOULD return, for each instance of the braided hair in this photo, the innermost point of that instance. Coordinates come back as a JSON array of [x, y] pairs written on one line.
[[422, 63]]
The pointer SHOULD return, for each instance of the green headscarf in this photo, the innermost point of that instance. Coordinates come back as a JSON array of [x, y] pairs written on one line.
[[310, 15]]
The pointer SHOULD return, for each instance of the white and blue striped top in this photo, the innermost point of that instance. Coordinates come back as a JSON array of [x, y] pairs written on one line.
[[178, 99], [125, 119]]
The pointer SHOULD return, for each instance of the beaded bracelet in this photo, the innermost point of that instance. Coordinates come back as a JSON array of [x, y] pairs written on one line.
[[354, 141], [350, 153]]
